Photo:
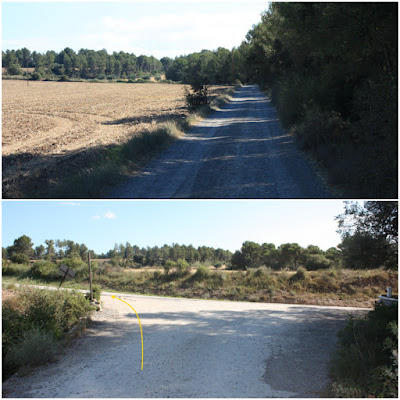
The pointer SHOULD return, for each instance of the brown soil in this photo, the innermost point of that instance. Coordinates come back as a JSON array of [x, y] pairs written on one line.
[[46, 123]]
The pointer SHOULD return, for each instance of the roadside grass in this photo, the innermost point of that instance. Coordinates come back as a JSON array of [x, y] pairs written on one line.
[[35, 323], [339, 287], [118, 162]]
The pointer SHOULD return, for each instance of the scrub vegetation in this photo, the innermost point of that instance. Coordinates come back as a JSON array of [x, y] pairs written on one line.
[[366, 361], [36, 323]]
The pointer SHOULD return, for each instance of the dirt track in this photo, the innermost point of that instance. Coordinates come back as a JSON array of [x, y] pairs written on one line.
[[193, 348], [241, 151]]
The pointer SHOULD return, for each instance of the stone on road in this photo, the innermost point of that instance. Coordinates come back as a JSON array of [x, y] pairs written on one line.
[[193, 348], [240, 151]]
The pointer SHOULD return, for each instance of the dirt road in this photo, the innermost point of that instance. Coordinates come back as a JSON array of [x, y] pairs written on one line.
[[241, 151], [193, 348]]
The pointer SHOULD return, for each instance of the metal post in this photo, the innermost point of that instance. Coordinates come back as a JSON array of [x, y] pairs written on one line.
[[90, 277]]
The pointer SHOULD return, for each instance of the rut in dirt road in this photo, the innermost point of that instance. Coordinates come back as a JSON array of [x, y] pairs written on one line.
[[240, 151]]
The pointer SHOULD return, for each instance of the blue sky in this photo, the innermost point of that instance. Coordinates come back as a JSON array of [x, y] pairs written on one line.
[[225, 224], [160, 28]]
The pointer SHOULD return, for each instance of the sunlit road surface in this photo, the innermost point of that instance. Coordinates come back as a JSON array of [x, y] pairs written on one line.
[[240, 151], [193, 348]]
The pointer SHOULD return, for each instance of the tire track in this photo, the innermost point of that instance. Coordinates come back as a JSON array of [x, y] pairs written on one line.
[[240, 151]]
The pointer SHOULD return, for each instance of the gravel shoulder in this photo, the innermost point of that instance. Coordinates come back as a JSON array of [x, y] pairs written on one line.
[[192, 348], [240, 151]]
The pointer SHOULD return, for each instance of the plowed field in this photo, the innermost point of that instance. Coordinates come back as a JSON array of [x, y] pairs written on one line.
[[46, 123]]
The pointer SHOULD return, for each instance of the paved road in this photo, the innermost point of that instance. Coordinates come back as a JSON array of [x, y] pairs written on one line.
[[193, 348], [239, 152]]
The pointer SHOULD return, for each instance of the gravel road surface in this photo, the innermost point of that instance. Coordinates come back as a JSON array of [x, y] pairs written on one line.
[[192, 348], [240, 151]]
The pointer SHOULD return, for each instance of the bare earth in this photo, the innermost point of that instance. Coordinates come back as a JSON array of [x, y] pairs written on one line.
[[193, 348], [49, 123], [241, 151]]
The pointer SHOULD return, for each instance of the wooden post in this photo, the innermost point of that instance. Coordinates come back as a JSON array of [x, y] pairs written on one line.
[[90, 277], [63, 279]]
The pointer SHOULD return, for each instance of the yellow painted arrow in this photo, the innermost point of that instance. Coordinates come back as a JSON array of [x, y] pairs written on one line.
[[140, 325]]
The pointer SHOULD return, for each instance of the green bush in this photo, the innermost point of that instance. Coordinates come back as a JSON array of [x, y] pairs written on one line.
[[365, 362], [14, 269], [300, 275], [35, 76], [319, 126], [314, 262], [36, 347], [19, 258], [201, 273], [45, 270], [182, 266], [96, 292], [287, 97], [14, 69], [168, 266], [80, 268], [33, 320]]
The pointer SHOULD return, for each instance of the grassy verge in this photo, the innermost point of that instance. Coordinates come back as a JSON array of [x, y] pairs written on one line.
[[115, 163], [366, 360], [35, 323], [331, 287]]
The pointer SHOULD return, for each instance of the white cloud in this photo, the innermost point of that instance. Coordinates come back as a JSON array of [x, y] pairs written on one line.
[[110, 215], [70, 203], [173, 35], [107, 215]]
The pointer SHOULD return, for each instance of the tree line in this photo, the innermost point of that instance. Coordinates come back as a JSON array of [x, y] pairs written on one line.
[[331, 69], [205, 67], [86, 64], [369, 240], [127, 254]]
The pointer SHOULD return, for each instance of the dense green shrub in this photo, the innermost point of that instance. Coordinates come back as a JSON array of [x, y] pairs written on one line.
[[19, 258], [14, 69], [365, 363], [319, 127], [96, 292], [182, 266], [201, 273], [33, 320], [44, 270], [168, 266], [300, 275], [314, 262]]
